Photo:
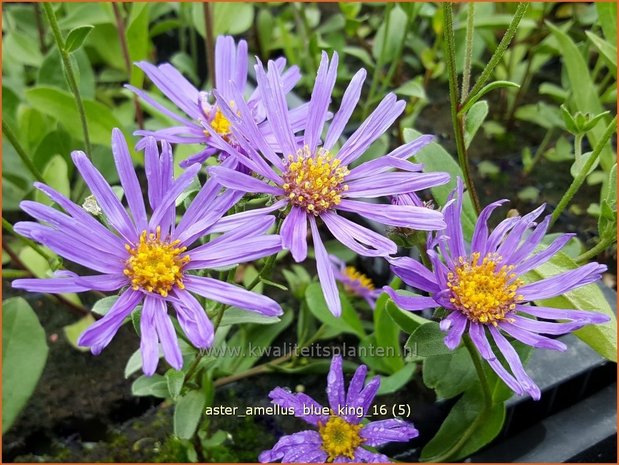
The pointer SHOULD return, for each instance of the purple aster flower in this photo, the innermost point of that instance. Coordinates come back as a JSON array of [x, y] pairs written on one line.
[[231, 64], [315, 181], [340, 436], [150, 259], [481, 288], [355, 282]]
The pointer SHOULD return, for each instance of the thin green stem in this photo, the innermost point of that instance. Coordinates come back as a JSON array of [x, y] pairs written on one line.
[[10, 135], [540, 150], [578, 146], [479, 368], [457, 119], [580, 179], [69, 73], [600, 247], [500, 50], [468, 52], [209, 42]]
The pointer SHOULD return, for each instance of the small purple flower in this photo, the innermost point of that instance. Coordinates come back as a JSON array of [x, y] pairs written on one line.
[[340, 434], [315, 182], [355, 282], [231, 64], [481, 288], [149, 259]]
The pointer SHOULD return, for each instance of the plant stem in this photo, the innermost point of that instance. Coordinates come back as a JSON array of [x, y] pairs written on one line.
[[457, 119], [209, 42], [10, 135], [600, 247], [69, 73], [485, 387], [500, 50], [580, 179], [540, 150], [124, 47], [40, 29], [468, 52]]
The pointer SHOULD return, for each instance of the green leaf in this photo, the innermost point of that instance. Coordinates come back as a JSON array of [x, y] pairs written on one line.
[[56, 175], [607, 222], [76, 37], [408, 321], [427, 340], [435, 159], [413, 88], [387, 335], [22, 48], [449, 374], [24, 352], [583, 89], [228, 18], [467, 428], [392, 383], [61, 106], [483, 91], [187, 414], [102, 306], [607, 16], [603, 337], [387, 46], [175, 380], [349, 322], [155, 385], [237, 316], [473, 121], [73, 331], [608, 51]]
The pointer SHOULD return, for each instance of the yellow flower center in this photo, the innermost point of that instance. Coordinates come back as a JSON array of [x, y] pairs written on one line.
[[354, 275], [155, 265], [484, 290], [339, 438], [314, 183], [220, 124]]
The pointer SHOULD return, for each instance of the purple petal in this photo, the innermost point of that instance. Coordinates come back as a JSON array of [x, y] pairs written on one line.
[[453, 218], [414, 274], [456, 329], [514, 362], [478, 336], [325, 272], [364, 400], [406, 216], [99, 334], [382, 165], [230, 294], [301, 447], [357, 238], [111, 206], [539, 258], [104, 282], [349, 102], [531, 242], [378, 433], [193, 320], [410, 303], [166, 333], [563, 282], [480, 235], [157, 106], [319, 102], [356, 384], [513, 239], [531, 338], [545, 327], [271, 89], [234, 180], [294, 233], [304, 406], [239, 219], [371, 129], [230, 253], [394, 183], [335, 384], [169, 197], [149, 343], [365, 456], [588, 317], [128, 179]]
